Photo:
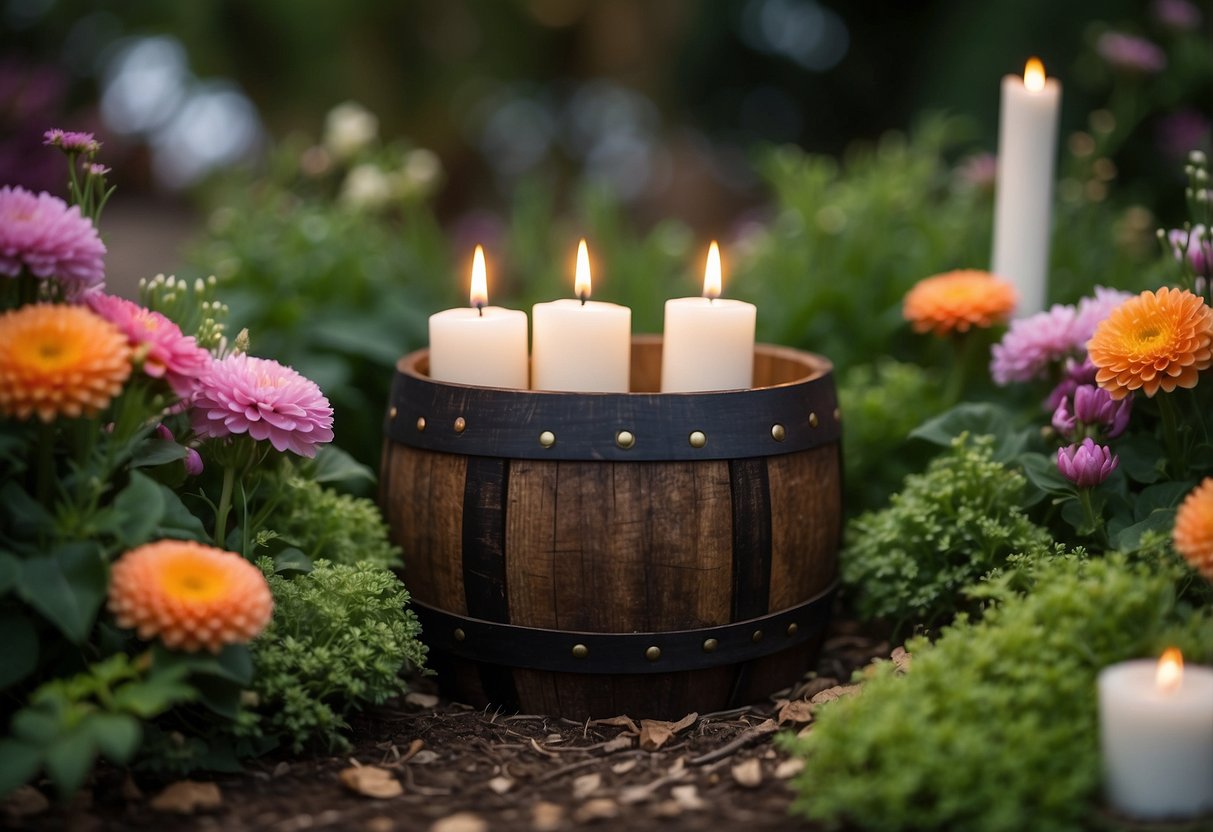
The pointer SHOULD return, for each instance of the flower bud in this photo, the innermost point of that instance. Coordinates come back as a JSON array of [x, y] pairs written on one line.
[[1088, 464]]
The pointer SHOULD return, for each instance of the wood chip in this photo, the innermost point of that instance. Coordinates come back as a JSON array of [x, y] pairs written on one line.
[[618, 744], [413, 750], [655, 733], [625, 766], [380, 823], [815, 686], [23, 802], [586, 785], [836, 692], [618, 722], [748, 773], [423, 757], [460, 822], [797, 711], [501, 785], [547, 817], [421, 700], [901, 660], [370, 781], [600, 808], [131, 792], [789, 768], [186, 797], [281, 769], [687, 797]]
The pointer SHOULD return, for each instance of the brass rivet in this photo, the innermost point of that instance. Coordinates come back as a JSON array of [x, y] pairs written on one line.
[[420, 423], [460, 635], [392, 413], [547, 439], [756, 636], [778, 432], [653, 654], [580, 651], [710, 645], [813, 421], [837, 415], [625, 439], [461, 425], [698, 439], [792, 628]]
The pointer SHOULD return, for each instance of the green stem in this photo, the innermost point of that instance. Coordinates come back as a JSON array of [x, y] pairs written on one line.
[[962, 348], [1170, 435], [225, 503], [1094, 521], [46, 462]]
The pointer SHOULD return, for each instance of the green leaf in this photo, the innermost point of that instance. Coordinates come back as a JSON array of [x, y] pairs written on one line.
[[334, 465], [177, 521], [976, 419], [37, 725], [1163, 495], [233, 663], [156, 451], [1129, 538], [1142, 458], [26, 516], [153, 697], [138, 509], [10, 571], [18, 648], [19, 761], [117, 735], [291, 560], [1042, 472], [69, 758], [66, 587]]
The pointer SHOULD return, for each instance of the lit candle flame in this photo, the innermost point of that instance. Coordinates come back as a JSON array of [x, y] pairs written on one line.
[[582, 285], [1170, 672], [1034, 75], [479, 296], [711, 273]]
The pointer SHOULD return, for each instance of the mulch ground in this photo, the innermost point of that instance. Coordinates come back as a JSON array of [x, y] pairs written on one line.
[[459, 769]]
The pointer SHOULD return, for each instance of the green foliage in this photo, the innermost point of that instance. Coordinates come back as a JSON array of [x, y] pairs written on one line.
[[995, 726], [321, 522], [948, 526], [340, 636]]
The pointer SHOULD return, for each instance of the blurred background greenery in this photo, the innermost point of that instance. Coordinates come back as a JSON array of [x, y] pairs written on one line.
[[839, 151]]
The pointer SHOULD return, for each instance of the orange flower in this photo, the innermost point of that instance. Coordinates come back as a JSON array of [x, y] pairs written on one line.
[[958, 301], [191, 596], [1194, 528], [1157, 339], [59, 361]]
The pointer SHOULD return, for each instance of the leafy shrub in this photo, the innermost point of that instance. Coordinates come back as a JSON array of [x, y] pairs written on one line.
[[995, 727], [947, 527], [340, 637], [324, 523]]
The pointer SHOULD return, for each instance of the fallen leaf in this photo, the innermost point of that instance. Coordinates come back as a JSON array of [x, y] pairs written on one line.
[[414, 748], [789, 768], [655, 733], [815, 686], [380, 823], [24, 801], [501, 785], [186, 797], [553, 739], [370, 781], [586, 785], [668, 809], [804, 732], [282, 768], [688, 797], [460, 822], [748, 773], [836, 692], [546, 817], [131, 792], [901, 660], [424, 757], [422, 700], [618, 744], [678, 769], [799, 710], [625, 766], [618, 722], [600, 808]]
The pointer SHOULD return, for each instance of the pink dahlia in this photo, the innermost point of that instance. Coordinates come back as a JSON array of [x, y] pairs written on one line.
[[39, 232], [71, 142], [1092, 311], [242, 394], [1031, 345], [167, 353]]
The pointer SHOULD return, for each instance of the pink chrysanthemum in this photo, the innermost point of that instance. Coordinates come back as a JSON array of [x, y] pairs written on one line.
[[71, 142], [1031, 345], [39, 232], [242, 394], [166, 352], [1093, 310]]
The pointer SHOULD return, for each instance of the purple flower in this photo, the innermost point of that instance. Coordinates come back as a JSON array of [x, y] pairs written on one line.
[[1196, 246], [1179, 15], [42, 234], [193, 461], [95, 169], [1092, 310], [242, 394], [70, 142], [1092, 409], [1074, 374], [1032, 344], [1131, 54], [1088, 464], [1180, 132]]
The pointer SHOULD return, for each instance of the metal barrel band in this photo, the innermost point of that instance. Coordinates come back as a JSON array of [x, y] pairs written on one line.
[[568, 651]]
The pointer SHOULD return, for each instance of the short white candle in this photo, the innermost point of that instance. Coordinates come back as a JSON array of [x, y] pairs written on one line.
[[581, 345], [483, 345], [708, 342], [1027, 145], [1156, 730]]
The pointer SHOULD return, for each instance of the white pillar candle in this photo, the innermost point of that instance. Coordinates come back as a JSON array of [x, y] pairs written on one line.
[[581, 345], [483, 345], [708, 342], [1027, 145], [1156, 730]]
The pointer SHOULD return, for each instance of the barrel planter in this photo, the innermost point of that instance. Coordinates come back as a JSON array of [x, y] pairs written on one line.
[[591, 554]]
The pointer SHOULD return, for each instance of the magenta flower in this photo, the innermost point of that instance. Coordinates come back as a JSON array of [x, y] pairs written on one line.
[[1196, 246], [242, 394], [165, 351], [1088, 464], [1031, 345], [70, 142], [1179, 15], [1131, 54], [42, 234], [1074, 374], [193, 460], [95, 169], [1092, 411], [1179, 132], [1092, 311]]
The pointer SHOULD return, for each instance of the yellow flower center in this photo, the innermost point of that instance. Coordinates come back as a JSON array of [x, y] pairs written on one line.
[[193, 579], [47, 355]]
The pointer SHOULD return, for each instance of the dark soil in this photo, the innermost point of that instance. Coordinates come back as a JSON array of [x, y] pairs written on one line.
[[468, 770]]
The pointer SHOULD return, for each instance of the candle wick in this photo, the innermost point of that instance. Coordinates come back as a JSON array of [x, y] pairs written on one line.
[[583, 297], [480, 309]]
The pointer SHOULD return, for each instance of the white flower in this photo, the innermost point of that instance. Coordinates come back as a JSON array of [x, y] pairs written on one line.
[[366, 188], [349, 128]]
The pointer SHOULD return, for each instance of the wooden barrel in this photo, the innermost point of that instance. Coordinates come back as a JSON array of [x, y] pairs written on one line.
[[592, 554]]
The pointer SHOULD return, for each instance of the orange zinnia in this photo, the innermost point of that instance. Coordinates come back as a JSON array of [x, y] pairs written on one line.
[[1194, 528], [958, 301], [1157, 339], [59, 361], [191, 596]]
